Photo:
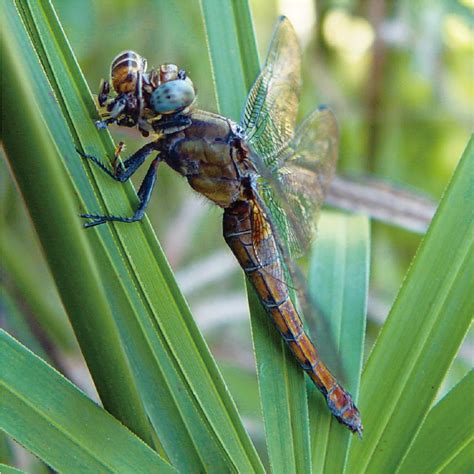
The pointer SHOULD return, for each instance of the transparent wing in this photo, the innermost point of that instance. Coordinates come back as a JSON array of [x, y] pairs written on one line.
[[292, 192], [294, 189], [269, 115]]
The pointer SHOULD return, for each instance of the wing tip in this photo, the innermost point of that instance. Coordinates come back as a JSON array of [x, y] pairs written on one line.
[[325, 111], [284, 21]]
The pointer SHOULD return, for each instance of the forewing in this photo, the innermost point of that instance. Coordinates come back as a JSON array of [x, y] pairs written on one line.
[[269, 115], [294, 190]]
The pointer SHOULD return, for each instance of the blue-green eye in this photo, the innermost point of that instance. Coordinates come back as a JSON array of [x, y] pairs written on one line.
[[172, 96]]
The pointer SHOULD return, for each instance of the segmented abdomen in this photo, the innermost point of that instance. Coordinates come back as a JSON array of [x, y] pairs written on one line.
[[258, 255]]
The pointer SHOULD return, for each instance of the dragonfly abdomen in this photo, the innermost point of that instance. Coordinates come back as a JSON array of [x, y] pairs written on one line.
[[265, 272], [250, 238]]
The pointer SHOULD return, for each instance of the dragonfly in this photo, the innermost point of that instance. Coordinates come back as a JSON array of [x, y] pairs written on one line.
[[269, 177]]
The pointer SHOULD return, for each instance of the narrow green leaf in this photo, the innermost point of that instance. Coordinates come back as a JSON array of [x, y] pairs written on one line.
[[149, 367], [6, 452], [36, 404], [463, 462], [4, 469], [446, 432], [425, 328], [247, 44], [181, 388], [235, 64], [282, 393], [338, 283], [222, 33]]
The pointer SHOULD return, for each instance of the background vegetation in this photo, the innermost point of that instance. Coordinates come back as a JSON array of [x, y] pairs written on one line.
[[399, 80]]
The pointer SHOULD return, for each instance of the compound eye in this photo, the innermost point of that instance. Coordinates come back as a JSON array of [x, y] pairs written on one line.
[[173, 96]]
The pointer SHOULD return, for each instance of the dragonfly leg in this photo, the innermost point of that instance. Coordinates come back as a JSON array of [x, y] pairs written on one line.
[[144, 194], [131, 164], [123, 171]]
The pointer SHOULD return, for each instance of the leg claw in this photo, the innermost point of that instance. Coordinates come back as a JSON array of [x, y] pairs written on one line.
[[100, 124], [96, 220]]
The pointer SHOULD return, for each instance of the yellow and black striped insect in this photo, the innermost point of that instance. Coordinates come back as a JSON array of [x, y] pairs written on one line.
[[142, 97]]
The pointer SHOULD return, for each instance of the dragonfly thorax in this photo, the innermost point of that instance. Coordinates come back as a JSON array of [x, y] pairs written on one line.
[[213, 158]]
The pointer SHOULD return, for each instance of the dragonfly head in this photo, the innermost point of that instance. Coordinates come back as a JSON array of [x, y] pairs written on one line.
[[174, 90]]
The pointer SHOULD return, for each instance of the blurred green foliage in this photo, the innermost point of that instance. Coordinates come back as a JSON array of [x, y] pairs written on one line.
[[398, 76]]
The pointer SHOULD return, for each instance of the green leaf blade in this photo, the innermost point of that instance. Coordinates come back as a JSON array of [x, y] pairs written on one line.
[[446, 432], [463, 462], [282, 393], [338, 282], [36, 407], [425, 328], [4, 469]]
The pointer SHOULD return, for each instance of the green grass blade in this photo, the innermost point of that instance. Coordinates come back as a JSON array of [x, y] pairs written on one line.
[[181, 388], [425, 328], [53, 214], [446, 432], [36, 403], [283, 395], [6, 451], [463, 462], [4, 469], [338, 282], [150, 368], [233, 52], [235, 65]]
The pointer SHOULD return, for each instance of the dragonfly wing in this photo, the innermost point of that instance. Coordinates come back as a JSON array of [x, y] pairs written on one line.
[[269, 115], [294, 169], [292, 195], [294, 192]]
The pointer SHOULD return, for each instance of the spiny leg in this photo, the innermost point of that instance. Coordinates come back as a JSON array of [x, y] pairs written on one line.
[[144, 194], [123, 171]]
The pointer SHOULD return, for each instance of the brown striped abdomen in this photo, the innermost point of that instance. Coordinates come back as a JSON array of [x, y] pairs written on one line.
[[261, 263], [125, 70]]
